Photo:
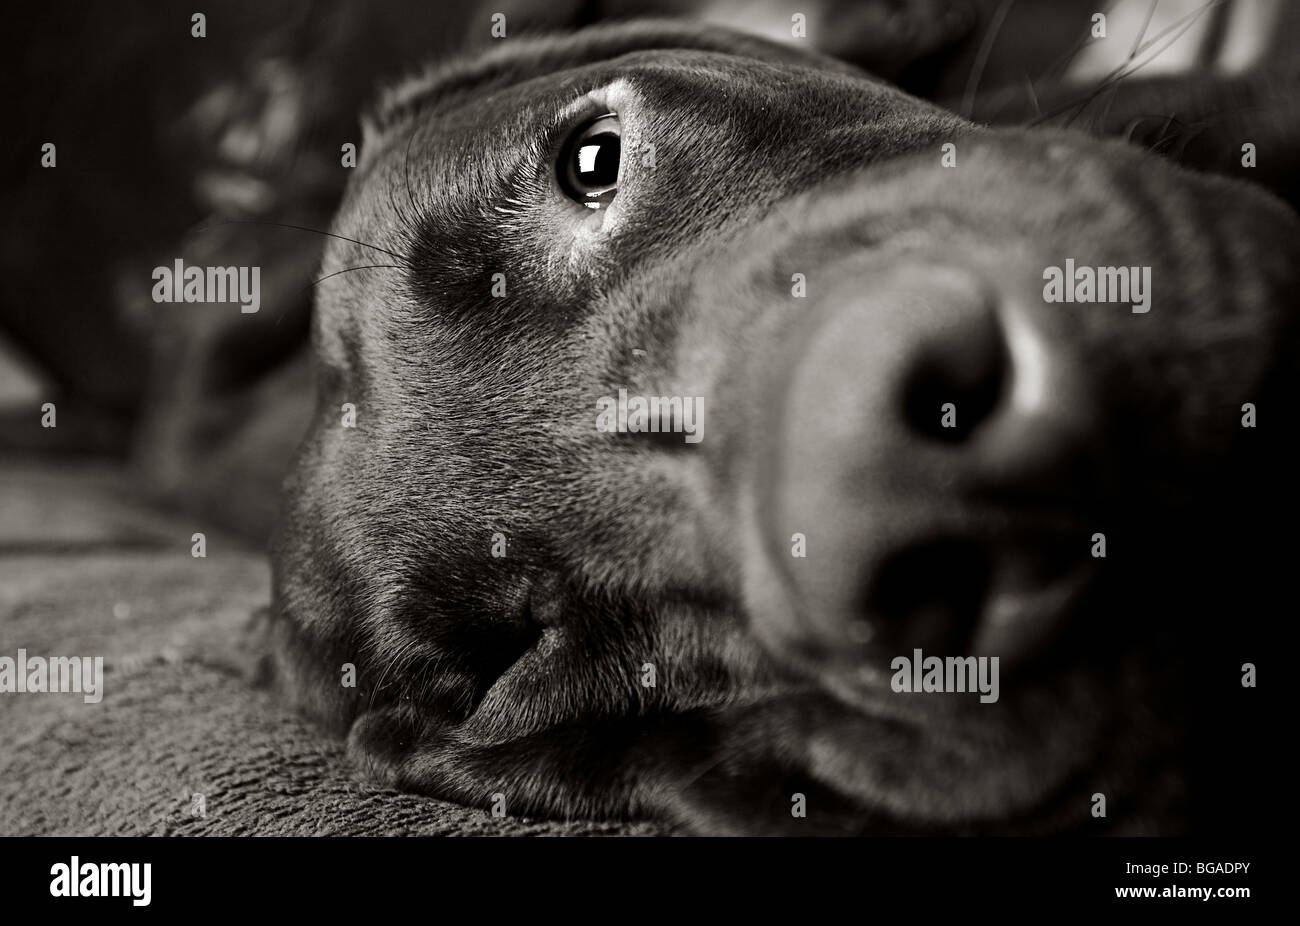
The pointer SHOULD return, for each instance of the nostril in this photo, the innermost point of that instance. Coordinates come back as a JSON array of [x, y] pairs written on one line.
[[929, 596], [956, 381], [904, 531]]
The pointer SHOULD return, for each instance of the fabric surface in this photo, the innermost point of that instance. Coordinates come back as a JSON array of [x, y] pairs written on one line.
[[87, 571]]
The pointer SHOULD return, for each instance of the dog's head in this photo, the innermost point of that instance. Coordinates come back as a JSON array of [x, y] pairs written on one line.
[[676, 389]]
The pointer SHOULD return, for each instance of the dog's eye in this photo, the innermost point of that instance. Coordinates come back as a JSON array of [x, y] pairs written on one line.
[[588, 168]]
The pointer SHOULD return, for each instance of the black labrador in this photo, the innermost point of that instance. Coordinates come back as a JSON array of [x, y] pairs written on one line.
[[709, 431]]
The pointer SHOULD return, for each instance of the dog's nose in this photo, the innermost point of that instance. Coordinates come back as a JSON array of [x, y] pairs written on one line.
[[922, 484]]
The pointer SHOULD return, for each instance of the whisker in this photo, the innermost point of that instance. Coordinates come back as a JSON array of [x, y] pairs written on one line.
[[982, 58], [406, 169], [1057, 68], [314, 231], [1137, 42], [1129, 67], [397, 209], [1111, 94], [1189, 17], [350, 269], [406, 219], [1033, 95]]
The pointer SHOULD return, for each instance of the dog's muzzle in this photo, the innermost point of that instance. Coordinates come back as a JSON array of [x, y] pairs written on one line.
[[946, 438]]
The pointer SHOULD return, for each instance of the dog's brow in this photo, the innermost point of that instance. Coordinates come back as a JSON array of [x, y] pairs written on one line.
[[443, 82], [404, 101], [527, 58]]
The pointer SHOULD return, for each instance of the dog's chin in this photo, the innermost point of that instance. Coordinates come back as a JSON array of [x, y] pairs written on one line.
[[1034, 761]]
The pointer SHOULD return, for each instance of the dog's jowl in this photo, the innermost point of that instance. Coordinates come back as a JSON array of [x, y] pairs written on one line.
[[911, 452]]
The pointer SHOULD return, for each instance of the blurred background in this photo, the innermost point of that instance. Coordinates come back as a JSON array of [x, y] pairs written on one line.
[[169, 146]]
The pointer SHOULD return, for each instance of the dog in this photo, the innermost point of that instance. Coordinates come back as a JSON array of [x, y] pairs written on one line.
[[888, 441]]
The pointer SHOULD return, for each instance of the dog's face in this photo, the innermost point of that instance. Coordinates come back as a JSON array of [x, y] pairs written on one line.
[[887, 440]]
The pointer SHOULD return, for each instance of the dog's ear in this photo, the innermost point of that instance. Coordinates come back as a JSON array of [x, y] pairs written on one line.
[[517, 60]]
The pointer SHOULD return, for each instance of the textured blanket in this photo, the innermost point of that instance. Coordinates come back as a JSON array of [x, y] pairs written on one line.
[[180, 743]]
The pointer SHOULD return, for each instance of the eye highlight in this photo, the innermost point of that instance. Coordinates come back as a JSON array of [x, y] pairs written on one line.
[[589, 162]]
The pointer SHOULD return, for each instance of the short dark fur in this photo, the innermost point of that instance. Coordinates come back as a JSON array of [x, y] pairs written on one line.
[[521, 675]]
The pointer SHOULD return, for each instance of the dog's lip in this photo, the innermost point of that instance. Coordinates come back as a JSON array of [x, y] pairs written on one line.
[[1039, 578], [907, 767], [1021, 618]]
